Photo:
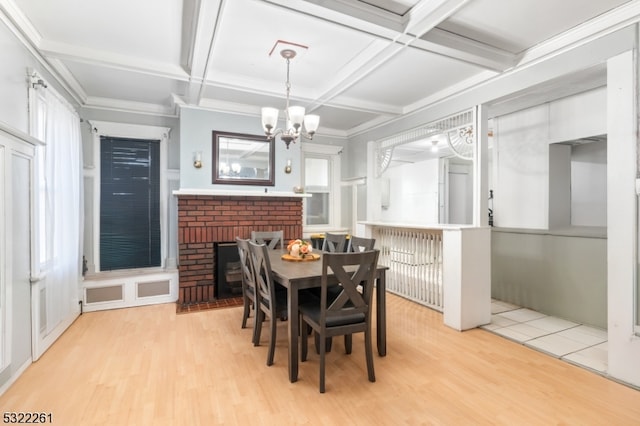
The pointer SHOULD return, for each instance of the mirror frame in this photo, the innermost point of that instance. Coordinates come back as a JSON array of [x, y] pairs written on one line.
[[218, 138]]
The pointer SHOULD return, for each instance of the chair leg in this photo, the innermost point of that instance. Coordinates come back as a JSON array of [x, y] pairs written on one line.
[[348, 343], [245, 312], [322, 366], [304, 336], [328, 342], [272, 341], [369, 354], [255, 339], [258, 326]]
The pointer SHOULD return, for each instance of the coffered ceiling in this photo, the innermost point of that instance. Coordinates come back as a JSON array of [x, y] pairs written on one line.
[[364, 62]]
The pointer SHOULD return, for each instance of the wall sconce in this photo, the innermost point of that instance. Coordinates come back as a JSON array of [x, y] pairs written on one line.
[[287, 168], [197, 159]]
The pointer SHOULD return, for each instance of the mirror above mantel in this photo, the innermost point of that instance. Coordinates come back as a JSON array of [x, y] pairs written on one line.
[[242, 159]]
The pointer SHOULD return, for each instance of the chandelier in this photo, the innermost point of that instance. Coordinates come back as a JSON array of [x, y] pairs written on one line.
[[294, 115]]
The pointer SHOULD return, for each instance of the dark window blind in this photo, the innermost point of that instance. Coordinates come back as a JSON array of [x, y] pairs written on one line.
[[129, 203]]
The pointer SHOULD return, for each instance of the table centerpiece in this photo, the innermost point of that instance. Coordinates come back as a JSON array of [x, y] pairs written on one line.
[[299, 249]]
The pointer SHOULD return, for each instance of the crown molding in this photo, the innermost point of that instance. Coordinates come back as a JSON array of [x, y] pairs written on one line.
[[99, 103]]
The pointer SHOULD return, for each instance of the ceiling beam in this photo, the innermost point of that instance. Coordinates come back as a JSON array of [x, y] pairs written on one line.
[[206, 15], [427, 14], [464, 49]]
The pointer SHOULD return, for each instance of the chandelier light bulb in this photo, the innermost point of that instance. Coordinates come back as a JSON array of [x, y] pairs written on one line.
[[311, 123], [269, 118], [296, 115]]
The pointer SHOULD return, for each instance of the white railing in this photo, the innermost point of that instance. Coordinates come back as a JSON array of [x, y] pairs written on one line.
[[414, 258]]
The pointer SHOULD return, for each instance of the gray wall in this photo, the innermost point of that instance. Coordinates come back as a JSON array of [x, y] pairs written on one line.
[[16, 60], [559, 275]]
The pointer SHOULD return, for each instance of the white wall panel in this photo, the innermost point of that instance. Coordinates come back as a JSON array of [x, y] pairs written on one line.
[[521, 191], [413, 193], [578, 116]]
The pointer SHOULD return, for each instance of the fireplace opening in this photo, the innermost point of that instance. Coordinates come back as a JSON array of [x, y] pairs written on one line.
[[228, 271]]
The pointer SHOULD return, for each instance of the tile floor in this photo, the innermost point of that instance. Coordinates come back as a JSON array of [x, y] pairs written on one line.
[[572, 342]]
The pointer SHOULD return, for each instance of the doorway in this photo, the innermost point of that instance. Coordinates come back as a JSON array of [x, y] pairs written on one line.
[[457, 200]]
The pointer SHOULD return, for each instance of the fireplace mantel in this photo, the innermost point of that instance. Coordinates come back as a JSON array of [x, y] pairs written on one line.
[[241, 193]]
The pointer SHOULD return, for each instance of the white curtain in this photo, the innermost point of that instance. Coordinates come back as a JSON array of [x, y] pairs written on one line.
[[56, 303]]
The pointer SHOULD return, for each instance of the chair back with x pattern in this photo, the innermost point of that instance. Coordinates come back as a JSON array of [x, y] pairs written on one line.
[[273, 239], [334, 242], [360, 244], [349, 305]]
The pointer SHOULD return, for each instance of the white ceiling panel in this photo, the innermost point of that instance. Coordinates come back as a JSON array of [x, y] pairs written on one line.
[[139, 28], [124, 85], [341, 118], [519, 25], [428, 73]]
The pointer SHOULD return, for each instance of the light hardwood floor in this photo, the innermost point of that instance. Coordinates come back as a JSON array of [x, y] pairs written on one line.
[[149, 366]]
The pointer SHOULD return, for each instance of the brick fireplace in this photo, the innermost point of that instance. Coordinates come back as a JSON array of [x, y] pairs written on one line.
[[204, 220]]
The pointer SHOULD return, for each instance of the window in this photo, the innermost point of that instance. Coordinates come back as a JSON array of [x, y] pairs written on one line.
[[322, 181], [127, 223], [38, 123], [316, 178], [129, 203]]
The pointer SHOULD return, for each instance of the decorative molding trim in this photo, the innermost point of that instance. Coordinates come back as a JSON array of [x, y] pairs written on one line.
[[130, 107], [20, 134], [229, 193], [317, 148]]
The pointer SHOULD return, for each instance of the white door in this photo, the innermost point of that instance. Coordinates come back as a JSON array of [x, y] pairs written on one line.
[[20, 252], [460, 194]]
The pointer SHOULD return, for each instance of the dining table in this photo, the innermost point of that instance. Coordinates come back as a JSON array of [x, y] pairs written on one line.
[[296, 275]]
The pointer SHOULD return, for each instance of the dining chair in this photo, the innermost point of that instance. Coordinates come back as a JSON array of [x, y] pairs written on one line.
[[249, 299], [349, 313], [334, 242], [273, 239], [360, 244], [271, 304]]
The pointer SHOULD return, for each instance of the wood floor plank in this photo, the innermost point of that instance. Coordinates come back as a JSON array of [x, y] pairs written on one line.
[[149, 365]]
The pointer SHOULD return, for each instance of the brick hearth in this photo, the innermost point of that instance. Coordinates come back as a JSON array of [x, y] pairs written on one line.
[[204, 220]]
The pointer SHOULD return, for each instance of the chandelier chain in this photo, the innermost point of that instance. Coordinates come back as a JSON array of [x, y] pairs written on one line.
[[288, 87]]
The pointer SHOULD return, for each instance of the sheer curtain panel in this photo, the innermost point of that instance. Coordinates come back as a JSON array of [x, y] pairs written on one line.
[[58, 250]]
